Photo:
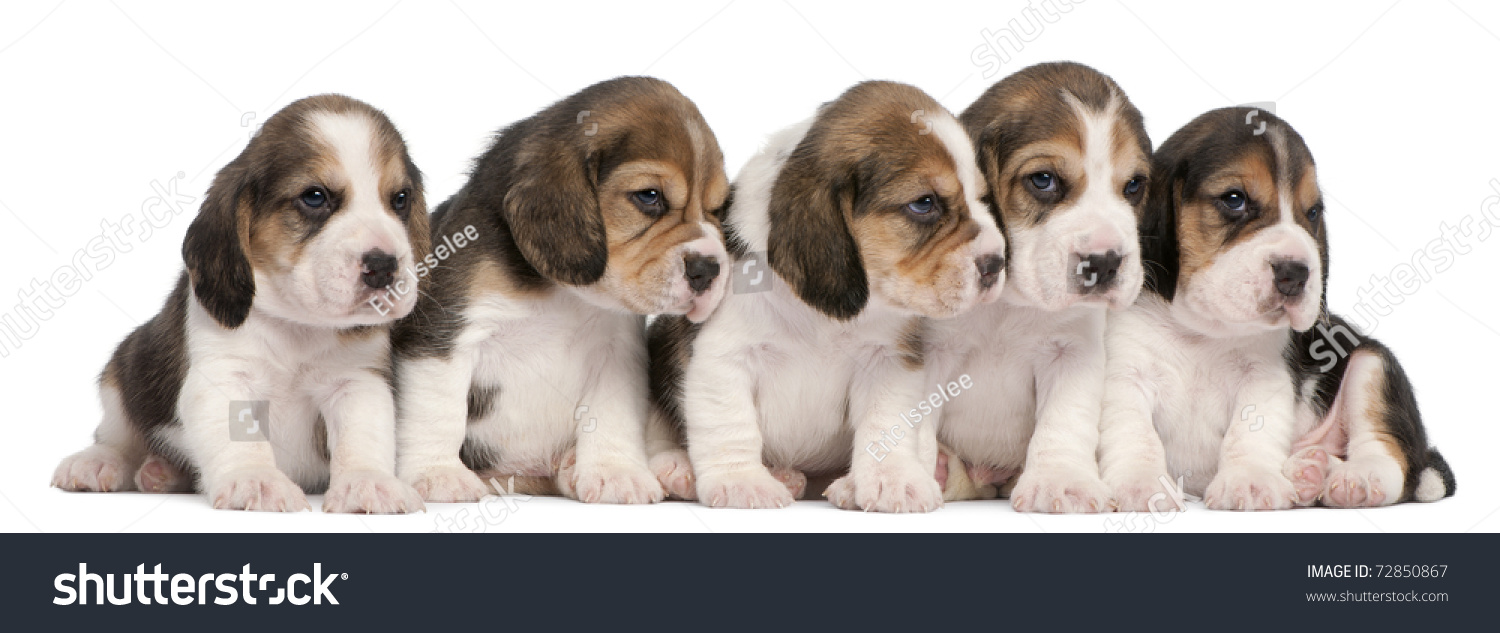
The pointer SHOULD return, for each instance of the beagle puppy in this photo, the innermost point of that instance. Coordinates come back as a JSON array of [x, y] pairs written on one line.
[[267, 373], [869, 217], [525, 362], [1066, 157], [1230, 356]]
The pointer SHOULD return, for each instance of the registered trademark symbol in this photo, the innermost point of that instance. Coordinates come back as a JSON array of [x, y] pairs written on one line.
[[344, 576]]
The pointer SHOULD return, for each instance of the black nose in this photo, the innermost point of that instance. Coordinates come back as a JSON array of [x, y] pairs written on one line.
[[989, 269], [700, 272], [379, 269], [1291, 277], [1098, 270]]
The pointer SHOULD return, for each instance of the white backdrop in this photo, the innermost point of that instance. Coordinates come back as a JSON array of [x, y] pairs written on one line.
[[106, 105]]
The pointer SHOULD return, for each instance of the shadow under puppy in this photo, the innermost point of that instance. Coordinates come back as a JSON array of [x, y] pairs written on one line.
[[299, 259], [526, 361], [869, 216], [1222, 364], [1066, 156]]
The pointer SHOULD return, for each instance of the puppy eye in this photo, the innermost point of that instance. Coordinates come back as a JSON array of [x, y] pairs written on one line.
[[1043, 181], [1314, 213], [314, 197], [398, 201], [1235, 205], [922, 206], [649, 201], [1133, 187]]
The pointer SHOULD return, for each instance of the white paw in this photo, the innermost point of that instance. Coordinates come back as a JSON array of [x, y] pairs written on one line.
[[1250, 488], [611, 483], [1060, 490], [887, 489], [93, 469], [674, 471], [1307, 469], [258, 488], [447, 484], [748, 488], [1146, 490], [370, 492], [1363, 482]]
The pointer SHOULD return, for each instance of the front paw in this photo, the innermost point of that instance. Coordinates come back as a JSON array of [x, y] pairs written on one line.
[[674, 471], [1146, 490], [613, 483], [750, 488], [447, 484], [1363, 482], [887, 489], [1250, 488], [93, 469], [1060, 490], [258, 488], [370, 492]]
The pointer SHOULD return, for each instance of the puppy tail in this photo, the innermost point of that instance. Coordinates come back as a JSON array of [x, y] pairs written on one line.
[[1436, 481]]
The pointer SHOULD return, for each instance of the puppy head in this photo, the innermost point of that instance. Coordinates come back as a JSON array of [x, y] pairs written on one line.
[[1067, 158], [1235, 220], [882, 197], [317, 221], [613, 191]]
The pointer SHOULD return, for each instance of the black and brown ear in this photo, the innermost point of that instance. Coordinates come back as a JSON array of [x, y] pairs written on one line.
[[810, 245], [990, 145], [214, 250], [1160, 254], [552, 209]]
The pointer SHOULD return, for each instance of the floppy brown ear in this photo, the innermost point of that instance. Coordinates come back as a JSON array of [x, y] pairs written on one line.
[[552, 209], [810, 245], [214, 250]]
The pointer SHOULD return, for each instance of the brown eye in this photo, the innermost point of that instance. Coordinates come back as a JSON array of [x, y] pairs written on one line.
[[398, 201]]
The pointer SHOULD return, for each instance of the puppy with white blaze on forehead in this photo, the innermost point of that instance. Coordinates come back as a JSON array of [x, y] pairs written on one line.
[[1066, 157], [526, 363], [1230, 356], [267, 373], [869, 215]]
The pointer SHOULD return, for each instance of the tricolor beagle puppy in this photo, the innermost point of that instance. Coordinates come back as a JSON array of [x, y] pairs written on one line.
[[267, 372], [1066, 156], [1230, 356], [870, 218], [525, 363]]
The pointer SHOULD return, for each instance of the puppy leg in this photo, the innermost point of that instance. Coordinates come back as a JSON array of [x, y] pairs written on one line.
[[1373, 472], [899, 479], [1314, 454], [361, 418], [612, 463], [118, 451], [723, 434], [1062, 471], [668, 459], [1256, 448], [236, 475], [1132, 459], [432, 409]]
